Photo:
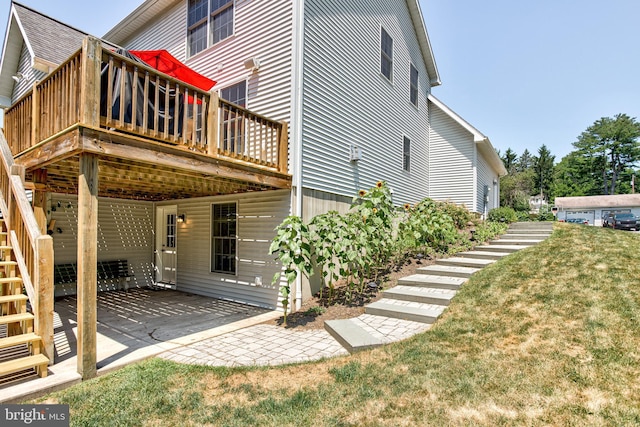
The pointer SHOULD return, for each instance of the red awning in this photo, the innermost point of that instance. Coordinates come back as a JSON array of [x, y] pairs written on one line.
[[164, 62]]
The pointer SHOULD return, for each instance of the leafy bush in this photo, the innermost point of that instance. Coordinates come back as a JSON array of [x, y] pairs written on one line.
[[503, 214]]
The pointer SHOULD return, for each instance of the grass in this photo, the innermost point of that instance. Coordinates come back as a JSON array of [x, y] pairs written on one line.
[[549, 336]]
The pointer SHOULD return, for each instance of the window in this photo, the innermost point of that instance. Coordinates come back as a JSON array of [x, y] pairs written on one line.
[[386, 54], [206, 17], [406, 154], [413, 94], [232, 123], [224, 239]]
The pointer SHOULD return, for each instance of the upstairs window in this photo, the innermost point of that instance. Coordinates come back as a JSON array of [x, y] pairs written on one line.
[[386, 54], [413, 92], [406, 154], [233, 123], [208, 22]]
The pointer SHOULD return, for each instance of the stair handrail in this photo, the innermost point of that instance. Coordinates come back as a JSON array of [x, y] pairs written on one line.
[[32, 250]]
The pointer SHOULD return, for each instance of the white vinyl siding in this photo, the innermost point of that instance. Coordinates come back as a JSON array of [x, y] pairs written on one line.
[[258, 216], [125, 231], [485, 177], [451, 166], [347, 102], [270, 40]]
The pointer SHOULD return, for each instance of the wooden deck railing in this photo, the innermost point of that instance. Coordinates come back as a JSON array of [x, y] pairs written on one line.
[[32, 249], [134, 98]]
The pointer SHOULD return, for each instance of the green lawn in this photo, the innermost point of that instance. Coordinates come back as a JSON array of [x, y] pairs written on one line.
[[549, 336]]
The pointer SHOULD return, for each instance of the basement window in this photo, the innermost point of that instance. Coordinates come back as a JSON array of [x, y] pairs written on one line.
[[224, 237]]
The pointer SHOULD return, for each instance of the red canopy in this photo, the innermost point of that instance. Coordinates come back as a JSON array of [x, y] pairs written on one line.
[[164, 62]]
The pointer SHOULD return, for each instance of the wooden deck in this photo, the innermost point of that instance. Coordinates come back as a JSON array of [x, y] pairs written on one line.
[[155, 137]]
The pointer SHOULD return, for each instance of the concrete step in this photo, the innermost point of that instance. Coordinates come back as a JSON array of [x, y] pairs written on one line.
[[351, 336], [483, 254], [448, 271], [419, 294], [499, 248], [544, 231], [405, 310], [465, 262], [524, 236], [518, 242], [432, 281], [532, 225]]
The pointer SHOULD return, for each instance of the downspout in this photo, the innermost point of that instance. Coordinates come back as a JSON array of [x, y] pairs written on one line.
[[296, 120]]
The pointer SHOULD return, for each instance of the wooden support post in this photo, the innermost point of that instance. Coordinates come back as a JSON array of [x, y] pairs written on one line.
[[283, 148], [213, 128], [40, 199], [87, 265], [45, 294], [90, 86]]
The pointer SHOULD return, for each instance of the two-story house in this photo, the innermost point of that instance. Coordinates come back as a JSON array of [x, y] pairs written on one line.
[[314, 100]]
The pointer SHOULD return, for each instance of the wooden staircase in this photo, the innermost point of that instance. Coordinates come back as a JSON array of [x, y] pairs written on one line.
[[20, 348]]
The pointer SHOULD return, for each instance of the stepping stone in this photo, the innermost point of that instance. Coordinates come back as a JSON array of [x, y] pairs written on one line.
[[446, 270], [518, 242], [524, 236], [419, 294], [351, 336], [483, 254], [416, 312], [500, 248], [432, 281], [465, 262]]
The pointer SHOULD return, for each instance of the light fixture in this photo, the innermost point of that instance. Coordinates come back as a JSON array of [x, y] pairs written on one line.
[[18, 77], [182, 218], [252, 63]]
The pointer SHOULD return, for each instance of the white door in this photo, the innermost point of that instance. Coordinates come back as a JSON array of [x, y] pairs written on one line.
[[165, 253]]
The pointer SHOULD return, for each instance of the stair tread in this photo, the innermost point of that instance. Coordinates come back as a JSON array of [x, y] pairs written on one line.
[[350, 335], [11, 318], [18, 339], [429, 278], [465, 262], [23, 363], [12, 298], [417, 312], [437, 296], [471, 254], [10, 279]]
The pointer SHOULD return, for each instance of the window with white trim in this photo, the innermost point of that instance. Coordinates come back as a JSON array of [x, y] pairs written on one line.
[[224, 237], [413, 91], [208, 22], [386, 54], [406, 154]]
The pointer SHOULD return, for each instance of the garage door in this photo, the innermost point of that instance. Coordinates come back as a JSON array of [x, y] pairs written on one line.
[[588, 215]]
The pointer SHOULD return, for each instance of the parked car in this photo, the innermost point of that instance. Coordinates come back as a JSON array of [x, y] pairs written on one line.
[[578, 221], [607, 220], [625, 221]]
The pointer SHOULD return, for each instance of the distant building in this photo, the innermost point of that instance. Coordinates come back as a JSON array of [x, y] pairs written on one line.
[[594, 208]]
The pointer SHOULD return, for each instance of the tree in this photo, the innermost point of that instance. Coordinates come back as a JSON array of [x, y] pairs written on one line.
[[515, 190], [610, 146], [509, 160], [525, 162], [543, 165]]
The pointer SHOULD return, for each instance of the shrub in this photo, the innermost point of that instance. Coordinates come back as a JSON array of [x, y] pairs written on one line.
[[503, 214]]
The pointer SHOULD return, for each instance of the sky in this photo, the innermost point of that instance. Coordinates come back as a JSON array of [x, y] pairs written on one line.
[[524, 73]]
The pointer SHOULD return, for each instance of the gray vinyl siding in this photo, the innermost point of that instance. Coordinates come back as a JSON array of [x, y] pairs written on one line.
[[258, 216], [348, 101], [452, 161], [125, 231], [30, 75], [485, 177], [263, 29]]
